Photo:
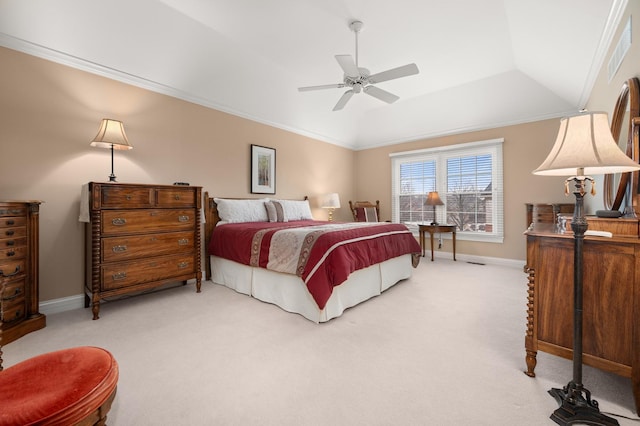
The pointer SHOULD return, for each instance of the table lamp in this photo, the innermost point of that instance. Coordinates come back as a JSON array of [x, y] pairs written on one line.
[[433, 199], [111, 135], [331, 202]]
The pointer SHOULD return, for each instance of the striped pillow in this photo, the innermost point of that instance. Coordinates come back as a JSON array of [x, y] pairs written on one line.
[[275, 211]]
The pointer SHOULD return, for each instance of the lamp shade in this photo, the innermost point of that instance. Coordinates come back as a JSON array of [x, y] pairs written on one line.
[[111, 135], [585, 146], [331, 201], [433, 199]]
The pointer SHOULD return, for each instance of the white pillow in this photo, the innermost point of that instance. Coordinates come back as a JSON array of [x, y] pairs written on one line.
[[237, 211], [296, 210]]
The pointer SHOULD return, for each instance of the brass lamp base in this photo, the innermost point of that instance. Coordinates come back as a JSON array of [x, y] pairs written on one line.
[[331, 214]]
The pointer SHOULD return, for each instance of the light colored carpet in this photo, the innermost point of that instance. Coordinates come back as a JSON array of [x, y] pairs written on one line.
[[445, 347]]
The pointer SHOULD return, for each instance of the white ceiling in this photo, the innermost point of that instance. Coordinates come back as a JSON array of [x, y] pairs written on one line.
[[483, 63]]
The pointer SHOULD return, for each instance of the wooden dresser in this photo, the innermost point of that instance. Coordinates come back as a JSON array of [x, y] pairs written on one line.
[[611, 297], [19, 298], [140, 237]]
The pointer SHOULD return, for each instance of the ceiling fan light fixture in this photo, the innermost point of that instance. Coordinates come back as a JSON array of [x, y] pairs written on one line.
[[359, 79], [356, 26]]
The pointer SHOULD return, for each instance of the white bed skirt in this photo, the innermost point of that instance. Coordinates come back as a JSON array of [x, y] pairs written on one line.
[[290, 293]]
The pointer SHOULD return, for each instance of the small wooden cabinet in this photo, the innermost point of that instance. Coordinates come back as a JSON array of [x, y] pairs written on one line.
[[611, 298], [19, 298], [140, 237], [546, 213]]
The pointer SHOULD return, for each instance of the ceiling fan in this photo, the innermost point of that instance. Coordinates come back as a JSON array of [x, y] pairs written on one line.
[[359, 79]]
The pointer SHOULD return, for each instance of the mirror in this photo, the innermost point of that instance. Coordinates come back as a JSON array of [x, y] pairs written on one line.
[[624, 128]]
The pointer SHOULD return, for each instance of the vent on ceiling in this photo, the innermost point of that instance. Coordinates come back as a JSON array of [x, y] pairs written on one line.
[[621, 50]]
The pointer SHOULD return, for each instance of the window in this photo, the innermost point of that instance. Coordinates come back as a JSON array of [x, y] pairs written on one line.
[[468, 178]]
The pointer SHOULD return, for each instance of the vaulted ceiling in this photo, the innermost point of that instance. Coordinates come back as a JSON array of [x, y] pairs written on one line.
[[482, 63]]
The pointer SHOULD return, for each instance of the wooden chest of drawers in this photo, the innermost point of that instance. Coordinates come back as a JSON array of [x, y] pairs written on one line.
[[19, 299], [140, 237]]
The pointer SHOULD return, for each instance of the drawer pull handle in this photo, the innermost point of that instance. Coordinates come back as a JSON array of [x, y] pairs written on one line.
[[176, 197], [119, 249], [183, 218], [11, 253], [11, 243], [11, 222], [183, 241], [119, 276], [10, 232], [183, 265], [16, 272], [119, 221], [16, 317], [16, 293], [128, 197]]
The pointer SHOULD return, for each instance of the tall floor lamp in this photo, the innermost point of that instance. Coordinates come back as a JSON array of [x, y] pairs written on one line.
[[584, 146]]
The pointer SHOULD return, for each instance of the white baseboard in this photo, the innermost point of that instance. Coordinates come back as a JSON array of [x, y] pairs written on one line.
[[63, 304], [512, 263]]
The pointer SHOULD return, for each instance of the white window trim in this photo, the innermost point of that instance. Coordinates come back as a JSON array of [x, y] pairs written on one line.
[[441, 153]]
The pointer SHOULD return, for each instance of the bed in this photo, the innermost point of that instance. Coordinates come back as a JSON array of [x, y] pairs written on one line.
[[274, 251]]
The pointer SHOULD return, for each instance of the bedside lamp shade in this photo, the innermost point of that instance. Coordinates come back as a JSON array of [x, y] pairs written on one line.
[[111, 135]]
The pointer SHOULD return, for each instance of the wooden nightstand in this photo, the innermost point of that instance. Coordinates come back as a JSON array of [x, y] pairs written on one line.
[[434, 229]]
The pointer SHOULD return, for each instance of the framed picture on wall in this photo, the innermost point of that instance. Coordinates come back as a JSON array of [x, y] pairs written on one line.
[[263, 170]]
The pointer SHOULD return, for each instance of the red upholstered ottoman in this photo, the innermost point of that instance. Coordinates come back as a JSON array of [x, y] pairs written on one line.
[[73, 386]]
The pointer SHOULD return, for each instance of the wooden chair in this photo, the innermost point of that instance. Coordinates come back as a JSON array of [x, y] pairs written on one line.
[[74, 386], [365, 211]]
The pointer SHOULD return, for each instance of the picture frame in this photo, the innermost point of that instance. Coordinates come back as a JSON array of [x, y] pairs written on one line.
[[263, 170]]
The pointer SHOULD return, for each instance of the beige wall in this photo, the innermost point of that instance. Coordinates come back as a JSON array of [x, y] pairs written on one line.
[[49, 114], [605, 93]]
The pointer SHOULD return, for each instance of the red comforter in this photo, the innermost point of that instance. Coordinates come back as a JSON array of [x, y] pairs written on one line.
[[322, 254]]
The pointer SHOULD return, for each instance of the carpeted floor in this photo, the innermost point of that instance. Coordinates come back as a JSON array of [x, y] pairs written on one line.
[[443, 348]]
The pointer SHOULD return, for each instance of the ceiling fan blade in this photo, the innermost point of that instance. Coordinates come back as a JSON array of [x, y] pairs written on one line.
[[383, 95], [391, 74], [343, 100], [348, 65], [324, 86]]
